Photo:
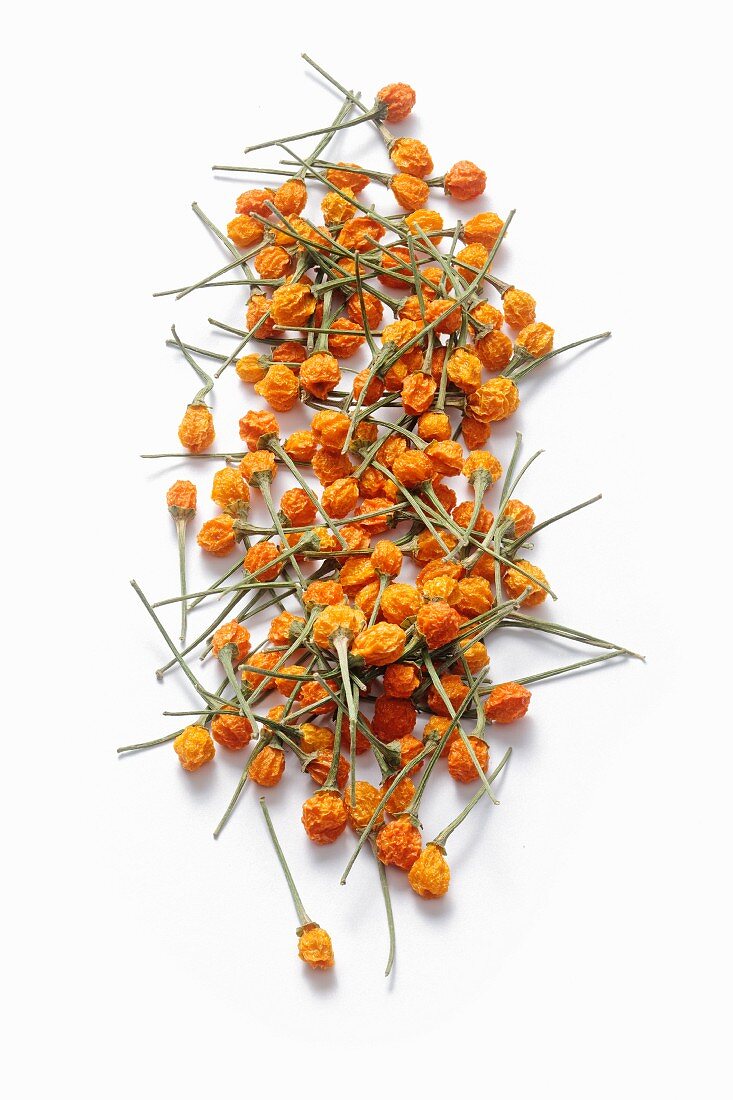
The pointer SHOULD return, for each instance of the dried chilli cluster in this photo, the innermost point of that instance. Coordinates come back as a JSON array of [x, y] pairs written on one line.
[[377, 648]]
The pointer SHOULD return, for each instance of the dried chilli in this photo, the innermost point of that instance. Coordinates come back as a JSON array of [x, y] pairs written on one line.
[[381, 589]]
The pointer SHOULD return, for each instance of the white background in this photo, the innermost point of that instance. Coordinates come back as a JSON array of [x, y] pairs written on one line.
[[583, 948]]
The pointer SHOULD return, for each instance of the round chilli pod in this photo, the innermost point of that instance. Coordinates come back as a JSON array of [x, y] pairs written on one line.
[[519, 307], [301, 446], [431, 224], [386, 560], [251, 368], [344, 340], [336, 207], [379, 645], [314, 943], [438, 623], [495, 350], [535, 341], [441, 589], [324, 814], [531, 577], [194, 748], [464, 181], [399, 843], [460, 759], [464, 370], [231, 730], [244, 231], [410, 192], [267, 765], [279, 387], [522, 519], [411, 156], [484, 229], [320, 373], [495, 400], [231, 492], [397, 101], [347, 176], [217, 536], [196, 430], [401, 680], [507, 702], [393, 718], [255, 201], [291, 197], [463, 516], [256, 423], [366, 801], [313, 738], [273, 262]]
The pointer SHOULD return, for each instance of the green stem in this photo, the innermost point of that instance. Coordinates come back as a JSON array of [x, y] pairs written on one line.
[[529, 623], [207, 696], [250, 609], [181, 532], [295, 645], [384, 133], [414, 808], [225, 656], [481, 482], [380, 177], [384, 580], [384, 884], [400, 775], [525, 369], [461, 733], [442, 837], [570, 668], [243, 586], [355, 414], [553, 519], [242, 344], [299, 908], [272, 443], [376, 112], [198, 351], [150, 744], [264, 486], [205, 378], [181, 292], [229, 245], [411, 499], [341, 645], [261, 744]]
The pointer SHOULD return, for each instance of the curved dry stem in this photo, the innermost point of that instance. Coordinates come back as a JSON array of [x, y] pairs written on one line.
[[303, 917]]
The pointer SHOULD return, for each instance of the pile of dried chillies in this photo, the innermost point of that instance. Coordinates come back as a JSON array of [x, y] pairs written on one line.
[[408, 294]]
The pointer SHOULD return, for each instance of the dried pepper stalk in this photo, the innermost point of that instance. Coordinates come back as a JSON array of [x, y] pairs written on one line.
[[314, 943]]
